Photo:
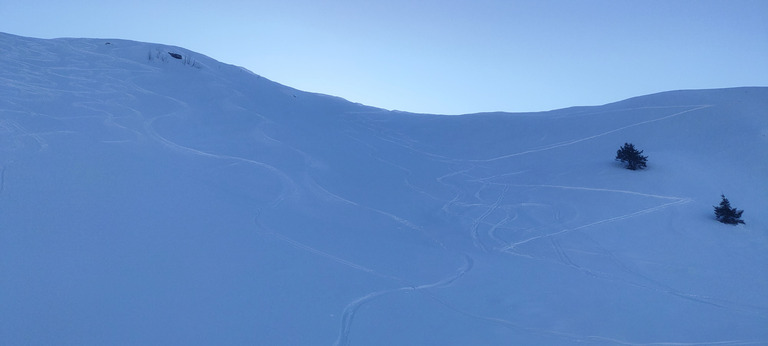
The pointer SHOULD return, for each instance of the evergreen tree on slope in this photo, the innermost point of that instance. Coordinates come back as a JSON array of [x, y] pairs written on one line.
[[631, 156], [725, 214]]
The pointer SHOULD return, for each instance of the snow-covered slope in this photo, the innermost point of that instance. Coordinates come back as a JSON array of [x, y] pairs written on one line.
[[146, 199]]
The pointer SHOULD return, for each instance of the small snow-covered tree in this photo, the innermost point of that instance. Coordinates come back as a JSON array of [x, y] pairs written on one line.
[[725, 214], [631, 156]]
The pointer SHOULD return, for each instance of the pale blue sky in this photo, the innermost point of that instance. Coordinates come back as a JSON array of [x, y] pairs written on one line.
[[447, 57]]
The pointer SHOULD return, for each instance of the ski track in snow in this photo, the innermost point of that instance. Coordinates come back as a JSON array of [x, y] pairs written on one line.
[[351, 309], [19, 131], [575, 141], [329, 256], [492, 232], [611, 219], [408, 171], [583, 188], [394, 217], [476, 224], [289, 186], [400, 143]]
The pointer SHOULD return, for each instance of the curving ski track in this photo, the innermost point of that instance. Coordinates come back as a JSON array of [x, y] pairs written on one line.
[[351, 309]]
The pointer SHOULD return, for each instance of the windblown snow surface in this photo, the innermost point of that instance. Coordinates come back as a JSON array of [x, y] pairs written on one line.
[[151, 200]]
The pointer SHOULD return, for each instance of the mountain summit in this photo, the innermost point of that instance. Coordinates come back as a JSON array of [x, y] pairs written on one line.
[[152, 195]]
